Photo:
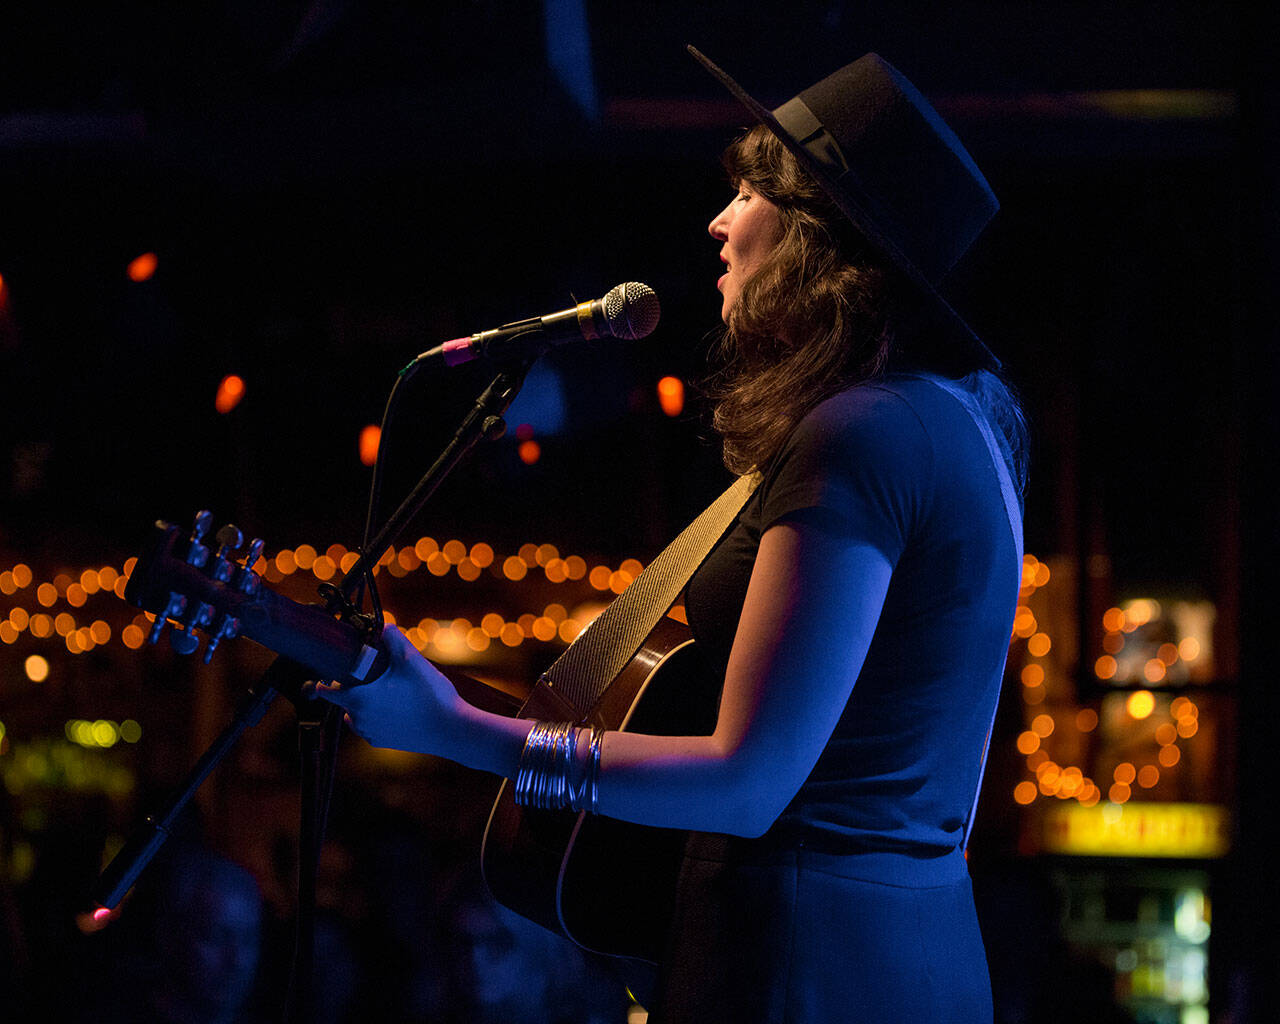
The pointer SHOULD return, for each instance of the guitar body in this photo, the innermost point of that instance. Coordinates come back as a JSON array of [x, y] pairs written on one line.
[[606, 884]]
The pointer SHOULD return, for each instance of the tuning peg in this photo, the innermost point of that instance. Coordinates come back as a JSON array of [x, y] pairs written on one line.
[[198, 553], [202, 616], [255, 552], [183, 636], [184, 641], [201, 524], [229, 540], [249, 581], [228, 627], [176, 605]]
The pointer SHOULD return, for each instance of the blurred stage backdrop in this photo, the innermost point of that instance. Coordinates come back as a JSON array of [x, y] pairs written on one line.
[[225, 227]]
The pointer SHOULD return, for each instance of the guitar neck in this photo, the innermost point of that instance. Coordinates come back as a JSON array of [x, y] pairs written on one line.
[[166, 583], [307, 634]]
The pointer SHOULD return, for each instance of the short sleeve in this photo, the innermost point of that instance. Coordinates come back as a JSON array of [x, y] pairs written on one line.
[[864, 459]]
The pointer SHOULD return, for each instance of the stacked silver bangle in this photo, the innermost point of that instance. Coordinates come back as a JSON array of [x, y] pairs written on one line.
[[544, 779]]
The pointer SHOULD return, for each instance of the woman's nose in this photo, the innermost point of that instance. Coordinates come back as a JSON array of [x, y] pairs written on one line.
[[718, 228]]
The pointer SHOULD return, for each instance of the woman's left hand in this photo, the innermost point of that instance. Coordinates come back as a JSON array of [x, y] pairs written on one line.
[[411, 706]]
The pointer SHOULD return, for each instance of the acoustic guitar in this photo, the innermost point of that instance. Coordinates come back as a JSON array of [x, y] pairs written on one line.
[[607, 885]]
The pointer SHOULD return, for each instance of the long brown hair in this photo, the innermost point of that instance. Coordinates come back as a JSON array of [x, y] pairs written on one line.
[[817, 317]]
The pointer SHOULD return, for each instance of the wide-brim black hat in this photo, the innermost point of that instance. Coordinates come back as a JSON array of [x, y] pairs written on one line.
[[893, 167]]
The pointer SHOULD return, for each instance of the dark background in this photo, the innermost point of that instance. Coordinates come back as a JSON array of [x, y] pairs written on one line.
[[331, 190], [332, 187]]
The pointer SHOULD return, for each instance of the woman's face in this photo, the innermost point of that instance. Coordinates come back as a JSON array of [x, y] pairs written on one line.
[[750, 226]]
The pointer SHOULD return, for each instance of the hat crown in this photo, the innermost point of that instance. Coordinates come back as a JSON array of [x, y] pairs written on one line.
[[910, 182]]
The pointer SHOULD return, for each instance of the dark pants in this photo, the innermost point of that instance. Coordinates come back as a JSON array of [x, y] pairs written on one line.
[[795, 937]]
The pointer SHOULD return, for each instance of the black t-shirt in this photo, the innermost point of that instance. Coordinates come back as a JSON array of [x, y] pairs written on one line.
[[901, 464]]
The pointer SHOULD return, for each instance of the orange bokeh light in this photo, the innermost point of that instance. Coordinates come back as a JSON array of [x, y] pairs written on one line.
[[230, 391], [1024, 623], [511, 635], [370, 437], [1086, 719], [1140, 703], [514, 568], [1169, 756], [142, 268], [425, 547], [530, 452], [1042, 725], [671, 395]]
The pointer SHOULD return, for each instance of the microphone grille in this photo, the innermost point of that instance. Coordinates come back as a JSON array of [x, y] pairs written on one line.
[[631, 310]]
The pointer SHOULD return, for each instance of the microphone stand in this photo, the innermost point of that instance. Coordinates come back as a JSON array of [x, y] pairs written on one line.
[[482, 422]]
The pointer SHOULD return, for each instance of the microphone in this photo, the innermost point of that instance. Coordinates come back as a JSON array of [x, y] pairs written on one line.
[[628, 311]]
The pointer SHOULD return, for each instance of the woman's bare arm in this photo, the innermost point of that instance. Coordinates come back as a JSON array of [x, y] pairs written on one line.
[[811, 608]]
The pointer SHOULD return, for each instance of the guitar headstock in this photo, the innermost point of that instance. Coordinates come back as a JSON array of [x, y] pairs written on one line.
[[197, 583], [186, 582]]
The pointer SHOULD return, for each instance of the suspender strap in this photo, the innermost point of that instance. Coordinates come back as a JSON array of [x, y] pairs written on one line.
[[1013, 508], [583, 672]]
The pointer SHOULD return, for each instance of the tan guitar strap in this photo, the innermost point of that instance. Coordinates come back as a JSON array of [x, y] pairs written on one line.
[[584, 671]]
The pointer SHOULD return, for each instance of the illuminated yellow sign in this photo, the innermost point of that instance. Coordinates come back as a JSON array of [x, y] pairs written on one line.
[[1137, 830]]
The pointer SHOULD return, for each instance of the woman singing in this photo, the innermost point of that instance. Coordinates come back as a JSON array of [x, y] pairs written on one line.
[[859, 609]]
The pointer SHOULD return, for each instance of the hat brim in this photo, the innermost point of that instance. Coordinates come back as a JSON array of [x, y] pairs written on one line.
[[860, 217]]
